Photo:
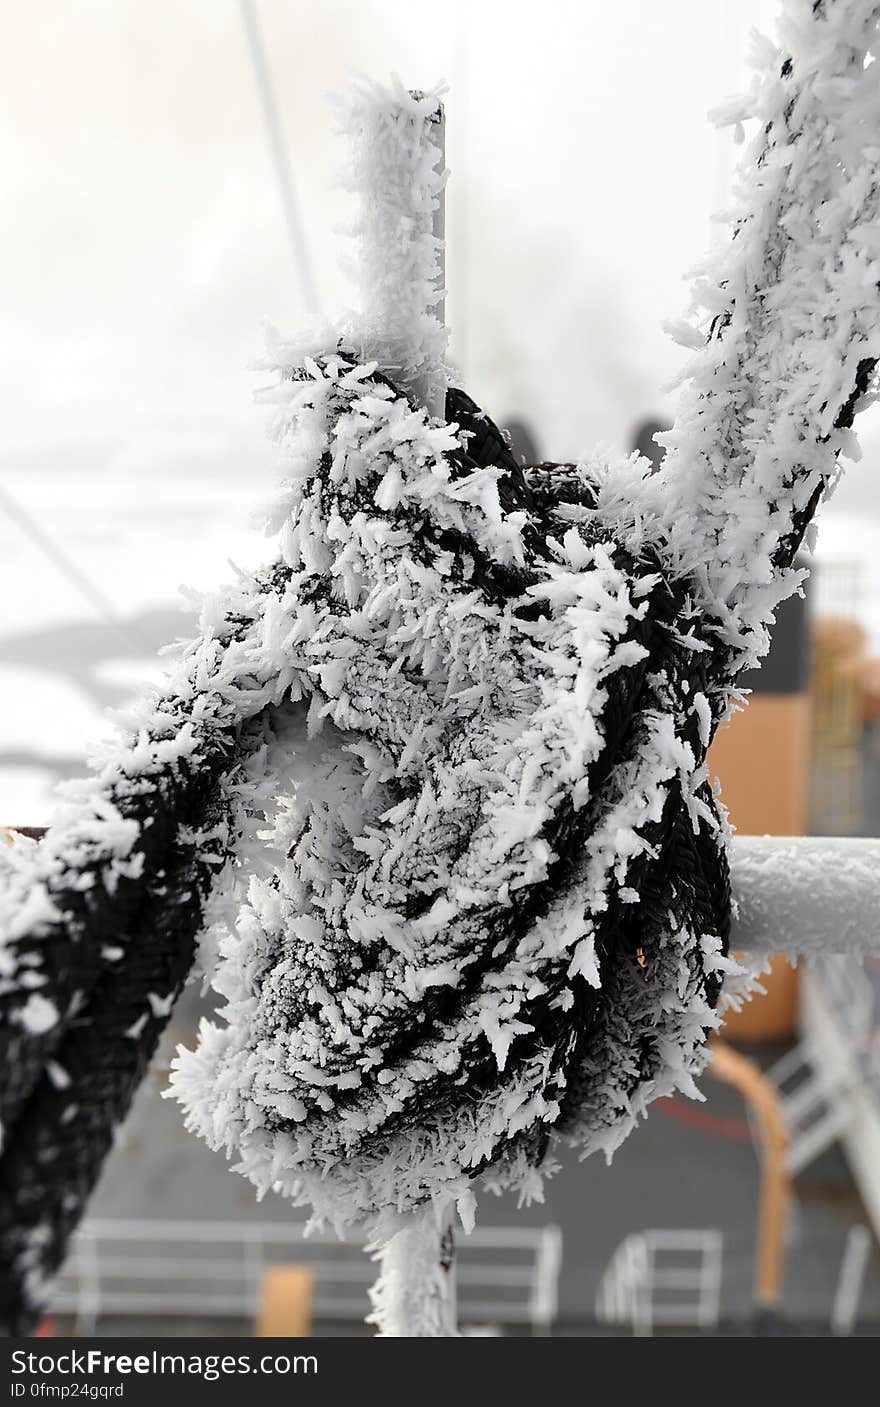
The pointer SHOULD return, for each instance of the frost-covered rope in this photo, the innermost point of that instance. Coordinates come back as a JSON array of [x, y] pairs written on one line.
[[430, 791], [785, 323], [505, 906]]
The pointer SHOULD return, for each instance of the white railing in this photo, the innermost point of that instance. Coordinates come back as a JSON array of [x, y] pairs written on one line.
[[857, 1253], [663, 1279], [815, 1101], [834, 1052], [206, 1270], [829, 1082], [851, 986]]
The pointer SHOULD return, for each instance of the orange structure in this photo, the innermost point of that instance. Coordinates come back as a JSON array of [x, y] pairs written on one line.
[[736, 1069], [838, 695], [285, 1303], [762, 756]]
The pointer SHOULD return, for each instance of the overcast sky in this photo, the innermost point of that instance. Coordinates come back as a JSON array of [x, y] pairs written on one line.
[[143, 241]]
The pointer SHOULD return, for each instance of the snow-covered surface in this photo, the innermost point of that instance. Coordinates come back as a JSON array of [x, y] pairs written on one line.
[[806, 896]]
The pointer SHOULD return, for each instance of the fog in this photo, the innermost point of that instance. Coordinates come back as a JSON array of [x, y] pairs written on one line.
[[143, 238]]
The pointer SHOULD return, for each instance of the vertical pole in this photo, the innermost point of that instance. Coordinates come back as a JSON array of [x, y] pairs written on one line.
[[448, 1285], [398, 140], [397, 171], [435, 404], [845, 1309], [414, 1296], [435, 391]]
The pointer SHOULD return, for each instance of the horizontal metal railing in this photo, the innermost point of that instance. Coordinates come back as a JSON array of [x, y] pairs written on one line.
[[505, 1275]]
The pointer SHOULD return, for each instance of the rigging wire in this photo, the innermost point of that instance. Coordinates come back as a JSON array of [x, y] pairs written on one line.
[[69, 569], [280, 156]]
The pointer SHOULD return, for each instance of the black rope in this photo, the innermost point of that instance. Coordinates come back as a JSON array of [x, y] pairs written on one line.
[[59, 1127]]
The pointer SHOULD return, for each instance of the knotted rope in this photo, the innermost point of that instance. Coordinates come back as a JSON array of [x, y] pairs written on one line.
[[429, 793]]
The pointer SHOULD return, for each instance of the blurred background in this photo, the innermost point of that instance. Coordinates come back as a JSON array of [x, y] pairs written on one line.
[[146, 230]]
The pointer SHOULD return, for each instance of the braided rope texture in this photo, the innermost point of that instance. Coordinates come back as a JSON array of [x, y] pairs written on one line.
[[501, 843]]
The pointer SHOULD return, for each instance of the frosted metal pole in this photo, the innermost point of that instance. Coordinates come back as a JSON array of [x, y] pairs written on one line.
[[806, 895], [437, 393], [415, 1294]]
